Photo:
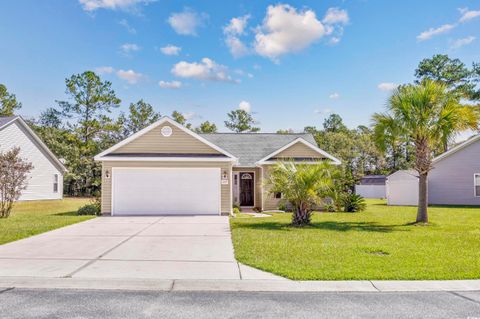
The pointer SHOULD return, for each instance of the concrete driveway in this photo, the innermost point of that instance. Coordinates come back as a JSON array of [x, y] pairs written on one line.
[[183, 247]]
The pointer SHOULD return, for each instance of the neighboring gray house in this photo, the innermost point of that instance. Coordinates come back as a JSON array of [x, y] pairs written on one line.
[[455, 179], [46, 178]]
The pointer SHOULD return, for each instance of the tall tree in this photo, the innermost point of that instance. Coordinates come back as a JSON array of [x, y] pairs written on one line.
[[8, 102], [181, 119], [91, 99], [428, 114], [452, 72], [334, 123], [389, 138], [87, 112], [241, 121], [141, 114], [206, 127], [51, 117]]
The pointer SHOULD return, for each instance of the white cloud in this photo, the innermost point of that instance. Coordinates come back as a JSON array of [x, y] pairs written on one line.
[[387, 86], [334, 40], [104, 70], [170, 50], [233, 30], [127, 48], [124, 23], [190, 115], [336, 15], [237, 26], [187, 22], [130, 76], [285, 30], [170, 85], [323, 111], [245, 106], [334, 96], [236, 46], [425, 35], [468, 15], [462, 42], [207, 69], [92, 5]]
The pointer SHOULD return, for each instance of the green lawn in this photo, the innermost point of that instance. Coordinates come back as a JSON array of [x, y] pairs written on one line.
[[35, 217], [376, 244]]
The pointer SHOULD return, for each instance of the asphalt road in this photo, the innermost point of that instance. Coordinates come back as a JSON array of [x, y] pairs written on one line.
[[40, 303]]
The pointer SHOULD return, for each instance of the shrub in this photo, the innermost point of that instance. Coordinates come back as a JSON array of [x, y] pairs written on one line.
[[257, 209], [282, 207], [330, 207], [237, 207], [354, 203], [236, 210], [89, 209]]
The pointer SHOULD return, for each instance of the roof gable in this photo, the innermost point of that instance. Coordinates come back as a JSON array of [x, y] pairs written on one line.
[[5, 121], [457, 148], [150, 140], [249, 148], [299, 148]]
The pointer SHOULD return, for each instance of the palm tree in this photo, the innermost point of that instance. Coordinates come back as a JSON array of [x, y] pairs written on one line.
[[302, 185], [429, 116]]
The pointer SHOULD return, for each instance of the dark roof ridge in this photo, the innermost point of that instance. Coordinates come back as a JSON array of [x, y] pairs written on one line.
[[254, 133]]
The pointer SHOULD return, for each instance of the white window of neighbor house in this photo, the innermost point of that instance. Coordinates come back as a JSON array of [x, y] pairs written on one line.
[[476, 185], [278, 195], [55, 183]]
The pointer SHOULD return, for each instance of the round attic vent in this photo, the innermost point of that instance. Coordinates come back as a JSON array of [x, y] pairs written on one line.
[[166, 131]]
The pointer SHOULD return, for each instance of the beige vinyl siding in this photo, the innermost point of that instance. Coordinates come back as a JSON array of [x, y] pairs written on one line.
[[269, 201], [226, 200], [299, 150], [154, 142], [257, 184]]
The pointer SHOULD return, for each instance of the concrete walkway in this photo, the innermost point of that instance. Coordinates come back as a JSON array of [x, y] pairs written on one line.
[[161, 253], [183, 247]]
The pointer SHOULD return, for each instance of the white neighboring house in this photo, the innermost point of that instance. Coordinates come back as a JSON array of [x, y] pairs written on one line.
[[46, 178], [402, 188]]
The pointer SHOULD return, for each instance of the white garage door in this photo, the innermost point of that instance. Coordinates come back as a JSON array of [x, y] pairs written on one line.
[[166, 191]]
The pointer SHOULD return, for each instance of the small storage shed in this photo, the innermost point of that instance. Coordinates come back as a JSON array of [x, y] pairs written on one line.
[[371, 186], [402, 188]]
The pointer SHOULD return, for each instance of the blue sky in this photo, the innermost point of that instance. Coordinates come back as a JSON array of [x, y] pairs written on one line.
[[289, 63]]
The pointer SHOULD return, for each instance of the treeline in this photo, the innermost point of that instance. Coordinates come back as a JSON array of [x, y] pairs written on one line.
[[83, 125]]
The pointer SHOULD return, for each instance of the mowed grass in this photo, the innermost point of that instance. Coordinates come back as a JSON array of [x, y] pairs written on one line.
[[379, 243], [35, 217]]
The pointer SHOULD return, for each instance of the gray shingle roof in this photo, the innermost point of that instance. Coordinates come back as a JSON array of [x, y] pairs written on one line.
[[252, 147], [6, 119]]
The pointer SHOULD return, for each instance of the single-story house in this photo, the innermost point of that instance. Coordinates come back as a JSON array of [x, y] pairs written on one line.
[[45, 180], [454, 179], [168, 169], [372, 186]]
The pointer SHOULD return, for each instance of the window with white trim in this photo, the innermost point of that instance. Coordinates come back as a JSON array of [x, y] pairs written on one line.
[[476, 184], [278, 195], [55, 183]]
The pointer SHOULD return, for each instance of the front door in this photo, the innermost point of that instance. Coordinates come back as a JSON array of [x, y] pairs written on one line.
[[246, 189]]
